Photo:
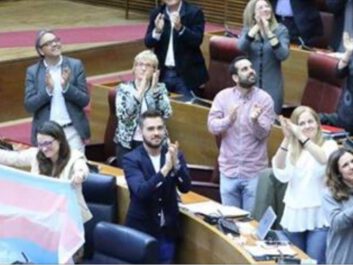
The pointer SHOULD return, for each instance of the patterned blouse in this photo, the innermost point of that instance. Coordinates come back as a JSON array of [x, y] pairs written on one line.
[[128, 109]]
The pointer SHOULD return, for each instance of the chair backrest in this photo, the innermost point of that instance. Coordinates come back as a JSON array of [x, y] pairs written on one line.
[[222, 51], [323, 88], [100, 194], [112, 122], [122, 245]]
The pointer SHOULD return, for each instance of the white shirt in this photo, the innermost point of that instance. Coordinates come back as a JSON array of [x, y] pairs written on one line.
[[58, 110], [169, 60], [305, 189], [156, 162], [284, 8]]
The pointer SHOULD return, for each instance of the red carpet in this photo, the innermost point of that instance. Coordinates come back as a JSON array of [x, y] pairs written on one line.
[[84, 35]]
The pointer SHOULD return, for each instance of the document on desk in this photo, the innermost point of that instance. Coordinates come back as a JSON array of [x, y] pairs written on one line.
[[214, 208], [270, 250]]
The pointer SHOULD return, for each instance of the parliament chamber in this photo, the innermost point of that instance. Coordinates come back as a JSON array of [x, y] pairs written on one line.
[[108, 64]]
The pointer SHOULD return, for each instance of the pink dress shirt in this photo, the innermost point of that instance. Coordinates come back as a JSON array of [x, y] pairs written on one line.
[[243, 150]]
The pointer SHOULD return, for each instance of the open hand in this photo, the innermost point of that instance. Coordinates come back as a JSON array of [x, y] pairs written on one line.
[[347, 42], [49, 82], [159, 23], [255, 112], [65, 77]]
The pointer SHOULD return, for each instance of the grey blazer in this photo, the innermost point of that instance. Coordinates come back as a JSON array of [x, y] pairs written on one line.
[[267, 60], [37, 100]]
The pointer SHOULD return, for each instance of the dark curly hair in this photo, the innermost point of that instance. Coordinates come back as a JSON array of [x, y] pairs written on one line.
[[46, 166]]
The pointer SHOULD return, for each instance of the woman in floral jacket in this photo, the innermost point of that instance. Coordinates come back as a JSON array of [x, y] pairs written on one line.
[[135, 97]]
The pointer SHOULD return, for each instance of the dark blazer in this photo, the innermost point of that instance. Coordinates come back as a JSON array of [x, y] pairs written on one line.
[[150, 193], [337, 7], [307, 19], [37, 100], [189, 61]]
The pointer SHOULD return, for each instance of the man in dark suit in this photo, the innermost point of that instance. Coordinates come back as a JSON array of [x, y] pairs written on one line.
[[302, 19], [343, 21], [175, 32], [153, 172]]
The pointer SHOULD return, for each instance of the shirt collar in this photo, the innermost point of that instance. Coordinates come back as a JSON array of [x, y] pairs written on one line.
[[57, 65], [246, 96], [179, 7]]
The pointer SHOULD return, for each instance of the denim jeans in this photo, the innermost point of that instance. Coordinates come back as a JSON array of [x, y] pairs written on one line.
[[166, 250], [176, 84], [312, 242], [238, 191]]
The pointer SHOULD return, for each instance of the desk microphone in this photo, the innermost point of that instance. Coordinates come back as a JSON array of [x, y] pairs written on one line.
[[303, 46]]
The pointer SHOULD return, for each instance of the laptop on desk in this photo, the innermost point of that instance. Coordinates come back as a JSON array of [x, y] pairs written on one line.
[[264, 231]]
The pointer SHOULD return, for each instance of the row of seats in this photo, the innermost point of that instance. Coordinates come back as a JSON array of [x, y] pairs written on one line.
[[107, 242]]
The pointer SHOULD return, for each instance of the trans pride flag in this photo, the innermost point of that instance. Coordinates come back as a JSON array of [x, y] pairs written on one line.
[[39, 216]]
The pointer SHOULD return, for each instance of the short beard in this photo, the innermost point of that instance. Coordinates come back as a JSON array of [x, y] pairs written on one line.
[[247, 83], [151, 145]]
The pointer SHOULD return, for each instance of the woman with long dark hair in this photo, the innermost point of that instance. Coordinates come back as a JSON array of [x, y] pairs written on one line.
[[338, 207], [53, 158]]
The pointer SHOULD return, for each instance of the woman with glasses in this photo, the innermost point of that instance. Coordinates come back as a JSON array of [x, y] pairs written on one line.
[[300, 161], [135, 97], [338, 207], [53, 158]]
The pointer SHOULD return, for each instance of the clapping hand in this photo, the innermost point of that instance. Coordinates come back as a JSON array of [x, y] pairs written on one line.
[[294, 129], [171, 160], [255, 112], [65, 77], [78, 177], [174, 149], [347, 42], [155, 78], [263, 24], [285, 127], [233, 113], [175, 20], [49, 82], [159, 23]]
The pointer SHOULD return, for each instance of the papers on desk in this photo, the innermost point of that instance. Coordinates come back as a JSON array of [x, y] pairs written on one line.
[[264, 250], [212, 208]]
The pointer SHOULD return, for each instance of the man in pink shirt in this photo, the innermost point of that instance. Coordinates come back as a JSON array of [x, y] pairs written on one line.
[[242, 116]]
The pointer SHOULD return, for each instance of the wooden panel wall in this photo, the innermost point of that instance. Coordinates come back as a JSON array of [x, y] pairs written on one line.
[[217, 11]]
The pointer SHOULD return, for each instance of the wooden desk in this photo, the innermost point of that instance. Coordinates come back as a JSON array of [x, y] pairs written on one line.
[[201, 243]]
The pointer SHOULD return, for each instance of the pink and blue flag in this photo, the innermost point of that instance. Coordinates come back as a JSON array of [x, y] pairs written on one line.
[[39, 216]]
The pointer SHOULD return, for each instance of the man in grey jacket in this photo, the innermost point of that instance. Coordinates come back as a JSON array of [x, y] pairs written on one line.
[[56, 89]]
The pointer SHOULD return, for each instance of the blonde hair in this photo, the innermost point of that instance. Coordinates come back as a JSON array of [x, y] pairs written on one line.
[[249, 15], [146, 55], [296, 146]]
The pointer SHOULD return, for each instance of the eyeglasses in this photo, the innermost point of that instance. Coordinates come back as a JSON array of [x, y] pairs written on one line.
[[45, 144], [147, 65], [50, 42]]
